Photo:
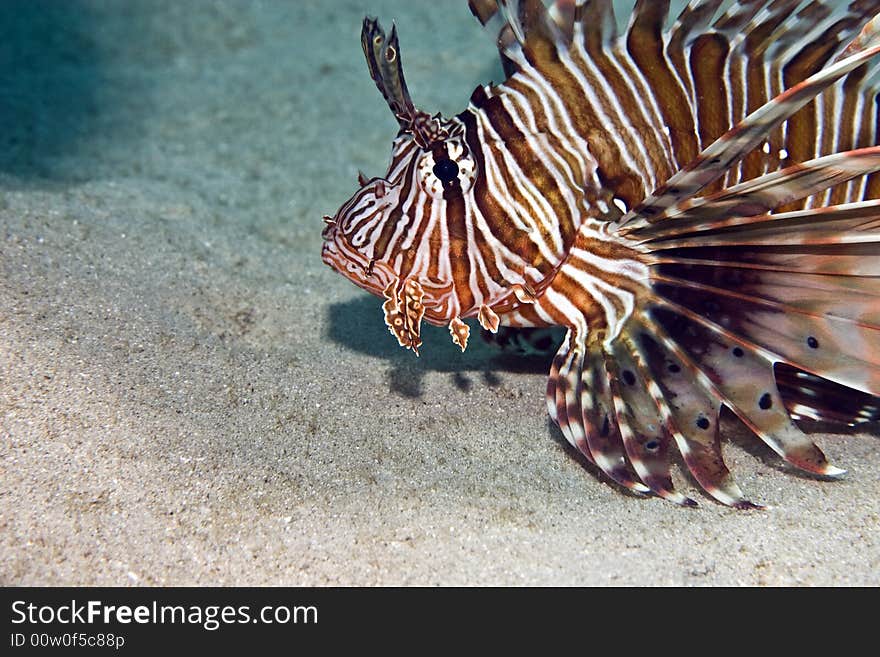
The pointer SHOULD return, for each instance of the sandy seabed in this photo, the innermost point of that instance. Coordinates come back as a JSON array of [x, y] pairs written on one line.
[[189, 396]]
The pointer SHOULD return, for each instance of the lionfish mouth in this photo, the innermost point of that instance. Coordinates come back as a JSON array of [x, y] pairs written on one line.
[[372, 276]]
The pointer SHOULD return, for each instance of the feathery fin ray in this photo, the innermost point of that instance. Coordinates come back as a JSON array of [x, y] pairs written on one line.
[[707, 332]]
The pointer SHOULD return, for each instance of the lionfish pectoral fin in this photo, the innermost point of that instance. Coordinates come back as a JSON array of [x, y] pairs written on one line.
[[404, 310], [689, 410], [581, 403], [808, 397], [740, 376], [736, 290], [459, 332], [623, 405], [646, 436], [800, 287]]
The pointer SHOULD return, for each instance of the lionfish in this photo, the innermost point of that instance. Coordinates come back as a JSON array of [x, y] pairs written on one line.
[[696, 201]]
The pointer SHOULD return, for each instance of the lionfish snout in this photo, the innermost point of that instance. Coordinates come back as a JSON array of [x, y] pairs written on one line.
[[330, 229], [331, 253], [348, 247]]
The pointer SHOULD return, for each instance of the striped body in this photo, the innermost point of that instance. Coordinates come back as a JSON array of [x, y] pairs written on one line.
[[696, 205]]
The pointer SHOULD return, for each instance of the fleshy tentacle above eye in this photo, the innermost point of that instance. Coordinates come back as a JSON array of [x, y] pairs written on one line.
[[386, 69]]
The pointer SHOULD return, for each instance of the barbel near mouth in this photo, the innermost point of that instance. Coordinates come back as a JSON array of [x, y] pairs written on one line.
[[329, 230]]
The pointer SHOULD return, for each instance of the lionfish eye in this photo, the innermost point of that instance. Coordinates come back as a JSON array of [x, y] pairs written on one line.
[[440, 170], [446, 170]]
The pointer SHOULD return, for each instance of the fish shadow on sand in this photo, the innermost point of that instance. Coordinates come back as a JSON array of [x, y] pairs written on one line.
[[358, 325]]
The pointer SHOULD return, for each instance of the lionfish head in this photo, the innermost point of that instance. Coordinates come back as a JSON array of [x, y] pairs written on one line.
[[382, 237]]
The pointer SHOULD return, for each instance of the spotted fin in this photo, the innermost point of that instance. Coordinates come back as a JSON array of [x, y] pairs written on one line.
[[625, 404], [753, 273], [781, 284], [646, 437], [808, 397], [691, 410], [604, 432], [742, 378], [730, 308], [580, 401]]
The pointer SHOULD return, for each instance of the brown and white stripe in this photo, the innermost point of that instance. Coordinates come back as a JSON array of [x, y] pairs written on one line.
[[661, 192]]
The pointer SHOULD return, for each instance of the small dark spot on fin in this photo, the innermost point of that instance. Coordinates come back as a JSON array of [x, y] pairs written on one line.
[[766, 401]]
